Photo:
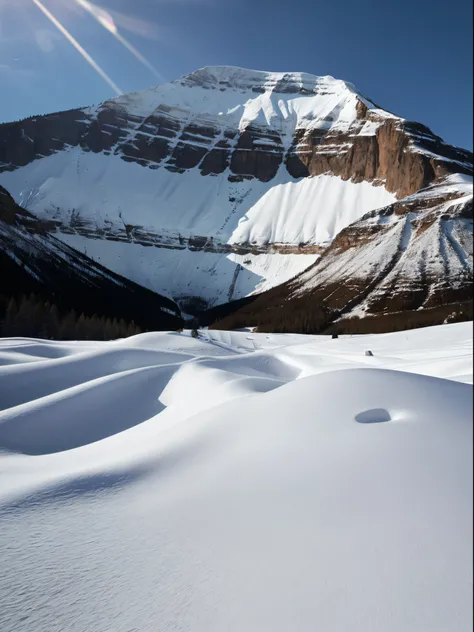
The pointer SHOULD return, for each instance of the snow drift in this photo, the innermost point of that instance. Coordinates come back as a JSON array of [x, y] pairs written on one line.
[[237, 482]]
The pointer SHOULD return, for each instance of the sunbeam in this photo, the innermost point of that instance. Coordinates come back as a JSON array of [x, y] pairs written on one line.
[[105, 19], [78, 47]]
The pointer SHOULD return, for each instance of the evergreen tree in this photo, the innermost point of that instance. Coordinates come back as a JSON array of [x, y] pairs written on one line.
[[81, 328], [67, 330], [108, 330], [34, 317], [53, 322], [23, 319], [10, 325]]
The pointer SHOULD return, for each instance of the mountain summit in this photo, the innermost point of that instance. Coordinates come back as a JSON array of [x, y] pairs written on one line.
[[223, 183]]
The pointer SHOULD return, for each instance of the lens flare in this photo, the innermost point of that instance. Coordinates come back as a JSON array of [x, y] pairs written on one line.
[[78, 47], [101, 15], [105, 19]]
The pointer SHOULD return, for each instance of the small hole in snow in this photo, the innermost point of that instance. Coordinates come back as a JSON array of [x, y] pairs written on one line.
[[373, 416]]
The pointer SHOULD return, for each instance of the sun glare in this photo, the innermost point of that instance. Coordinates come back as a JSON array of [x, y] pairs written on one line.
[[77, 46], [105, 19]]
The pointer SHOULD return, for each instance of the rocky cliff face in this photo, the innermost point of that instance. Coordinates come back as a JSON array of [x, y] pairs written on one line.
[[225, 162], [401, 155]]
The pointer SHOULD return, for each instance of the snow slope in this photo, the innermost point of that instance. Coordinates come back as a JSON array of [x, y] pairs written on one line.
[[173, 206], [214, 277], [225, 484], [241, 96]]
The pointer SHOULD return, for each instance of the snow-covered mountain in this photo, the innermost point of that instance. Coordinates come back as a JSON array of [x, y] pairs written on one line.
[[221, 184]]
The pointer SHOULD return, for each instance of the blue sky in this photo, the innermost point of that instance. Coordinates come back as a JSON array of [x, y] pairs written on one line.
[[413, 57]]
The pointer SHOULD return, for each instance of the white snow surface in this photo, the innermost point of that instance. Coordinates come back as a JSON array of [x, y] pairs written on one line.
[[459, 183], [231, 94], [236, 482], [214, 277]]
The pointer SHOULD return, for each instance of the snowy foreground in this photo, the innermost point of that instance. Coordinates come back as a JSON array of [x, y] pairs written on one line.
[[243, 482]]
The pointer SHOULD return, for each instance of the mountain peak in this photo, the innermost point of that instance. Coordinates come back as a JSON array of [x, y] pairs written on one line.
[[234, 77]]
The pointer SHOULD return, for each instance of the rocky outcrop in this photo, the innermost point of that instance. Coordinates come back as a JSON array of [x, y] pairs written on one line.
[[9, 210], [402, 156], [128, 233]]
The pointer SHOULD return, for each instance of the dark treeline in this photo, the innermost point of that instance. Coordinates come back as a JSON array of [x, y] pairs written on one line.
[[30, 316]]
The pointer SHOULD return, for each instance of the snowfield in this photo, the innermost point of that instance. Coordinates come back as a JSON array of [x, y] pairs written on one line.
[[238, 482]]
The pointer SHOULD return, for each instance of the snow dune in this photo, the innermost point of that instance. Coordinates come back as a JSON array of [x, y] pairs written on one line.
[[237, 482]]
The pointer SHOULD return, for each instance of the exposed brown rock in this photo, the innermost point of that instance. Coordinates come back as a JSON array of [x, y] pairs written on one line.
[[214, 162], [388, 157]]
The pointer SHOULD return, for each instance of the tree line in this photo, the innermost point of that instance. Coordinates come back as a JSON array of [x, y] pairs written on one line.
[[32, 317]]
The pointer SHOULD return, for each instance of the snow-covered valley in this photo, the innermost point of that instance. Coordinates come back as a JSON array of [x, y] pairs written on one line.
[[238, 481]]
